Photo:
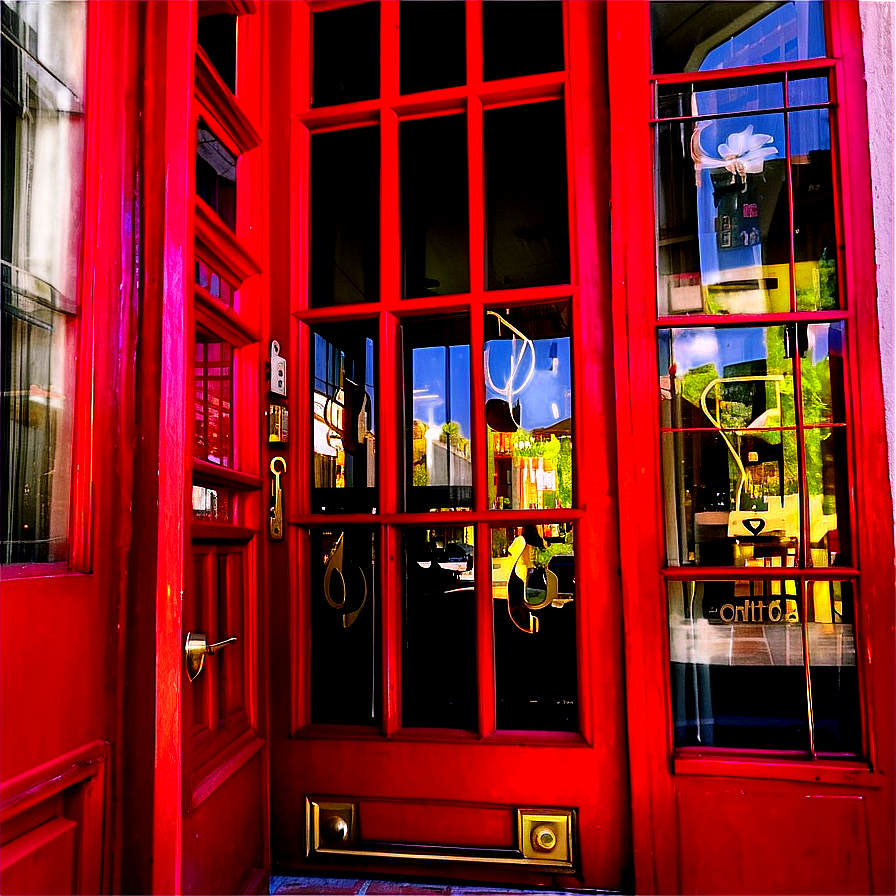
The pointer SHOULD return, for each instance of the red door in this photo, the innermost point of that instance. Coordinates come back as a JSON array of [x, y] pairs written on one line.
[[205, 259], [446, 663], [69, 287]]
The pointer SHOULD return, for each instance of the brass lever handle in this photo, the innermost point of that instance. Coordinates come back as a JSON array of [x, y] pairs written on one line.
[[195, 649]]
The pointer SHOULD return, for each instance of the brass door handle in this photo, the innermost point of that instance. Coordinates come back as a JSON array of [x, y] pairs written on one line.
[[195, 649]]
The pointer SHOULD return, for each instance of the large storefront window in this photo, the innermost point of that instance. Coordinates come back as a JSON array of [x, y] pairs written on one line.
[[755, 434], [43, 159]]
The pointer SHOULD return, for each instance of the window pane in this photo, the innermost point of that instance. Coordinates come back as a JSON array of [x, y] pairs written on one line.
[[722, 213], [688, 37], [829, 517], [433, 45], [814, 230], [738, 677], [438, 671], [435, 224], [42, 138], [437, 408], [214, 284], [216, 175], [822, 360], [213, 410], [345, 210], [213, 505], [533, 598], [345, 627], [527, 217], [528, 380], [521, 38], [217, 36], [344, 429], [807, 91], [832, 667], [346, 48]]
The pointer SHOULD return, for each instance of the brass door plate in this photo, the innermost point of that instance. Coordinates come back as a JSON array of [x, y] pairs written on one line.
[[546, 835], [545, 839]]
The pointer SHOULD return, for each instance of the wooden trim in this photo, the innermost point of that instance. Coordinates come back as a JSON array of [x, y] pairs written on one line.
[[206, 780], [206, 473], [221, 107], [222, 248], [219, 532], [221, 321], [227, 7]]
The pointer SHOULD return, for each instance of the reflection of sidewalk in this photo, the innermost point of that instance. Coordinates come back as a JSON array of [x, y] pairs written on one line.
[[697, 642]]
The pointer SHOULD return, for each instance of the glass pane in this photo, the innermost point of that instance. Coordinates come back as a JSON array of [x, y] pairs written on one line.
[[832, 668], [714, 98], [42, 140], [528, 407], [345, 216], [822, 350], [345, 628], [438, 671], [213, 408], [723, 223], [521, 38], [688, 37], [433, 45], [527, 218], [437, 408], [344, 429], [814, 230], [346, 52], [738, 677], [214, 284], [533, 598], [807, 91], [435, 223], [216, 175], [829, 517], [213, 505], [217, 36]]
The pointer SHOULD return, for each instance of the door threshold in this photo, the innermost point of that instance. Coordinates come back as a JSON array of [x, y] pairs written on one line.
[[340, 886]]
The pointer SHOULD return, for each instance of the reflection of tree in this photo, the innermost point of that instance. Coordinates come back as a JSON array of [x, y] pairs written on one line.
[[451, 436], [419, 473]]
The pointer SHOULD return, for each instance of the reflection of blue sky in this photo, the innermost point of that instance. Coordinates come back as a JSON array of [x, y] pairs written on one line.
[[695, 347], [546, 399], [441, 383]]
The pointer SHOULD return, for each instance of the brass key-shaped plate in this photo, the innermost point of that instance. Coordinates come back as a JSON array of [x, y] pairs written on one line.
[[278, 467]]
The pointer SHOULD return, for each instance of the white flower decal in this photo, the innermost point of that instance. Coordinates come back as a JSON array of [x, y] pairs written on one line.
[[744, 153]]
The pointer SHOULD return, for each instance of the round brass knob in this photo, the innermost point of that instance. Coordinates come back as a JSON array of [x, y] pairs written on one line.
[[544, 838], [335, 829]]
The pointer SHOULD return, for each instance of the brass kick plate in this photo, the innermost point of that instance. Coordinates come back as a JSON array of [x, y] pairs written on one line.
[[545, 839]]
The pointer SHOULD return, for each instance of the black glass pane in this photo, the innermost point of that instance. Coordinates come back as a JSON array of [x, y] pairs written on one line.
[[699, 36], [521, 38], [345, 632], [439, 635], [215, 175], [738, 678], [533, 601], [345, 183], [434, 210], [527, 218], [217, 36], [343, 427], [433, 45], [346, 66]]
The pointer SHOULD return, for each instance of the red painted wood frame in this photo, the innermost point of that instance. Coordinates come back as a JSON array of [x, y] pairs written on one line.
[[210, 734], [674, 791], [418, 767], [61, 741]]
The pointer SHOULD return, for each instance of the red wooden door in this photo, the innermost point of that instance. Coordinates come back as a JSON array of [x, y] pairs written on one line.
[[69, 292], [446, 663], [205, 256]]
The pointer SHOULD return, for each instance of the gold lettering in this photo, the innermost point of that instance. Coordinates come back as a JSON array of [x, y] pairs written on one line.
[[730, 609], [740, 613], [774, 607]]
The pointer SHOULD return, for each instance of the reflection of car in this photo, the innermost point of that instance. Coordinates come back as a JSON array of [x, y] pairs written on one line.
[[456, 556]]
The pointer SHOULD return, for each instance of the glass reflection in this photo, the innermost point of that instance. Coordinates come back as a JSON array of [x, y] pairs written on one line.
[[346, 54], [521, 38], [738, 677], [828, 496], [814, 229], [343, 406], [439, 635], [832, 668], [529, 407], [722, 211], [216, 173], [822, 352], [213, 401], [437, 429], [533, 598], [214, 284], [345, 627]]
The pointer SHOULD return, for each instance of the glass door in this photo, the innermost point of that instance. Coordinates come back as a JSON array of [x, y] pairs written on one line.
[[452, 664]]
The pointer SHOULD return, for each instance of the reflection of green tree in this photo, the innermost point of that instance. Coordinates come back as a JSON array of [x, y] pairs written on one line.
[[451, 435], [419, 473], [696, 380]]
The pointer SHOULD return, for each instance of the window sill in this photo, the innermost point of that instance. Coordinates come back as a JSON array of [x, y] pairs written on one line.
[[849, 772], [13, 571]]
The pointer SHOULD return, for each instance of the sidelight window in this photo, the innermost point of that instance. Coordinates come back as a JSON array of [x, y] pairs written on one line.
[[753, 335]]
